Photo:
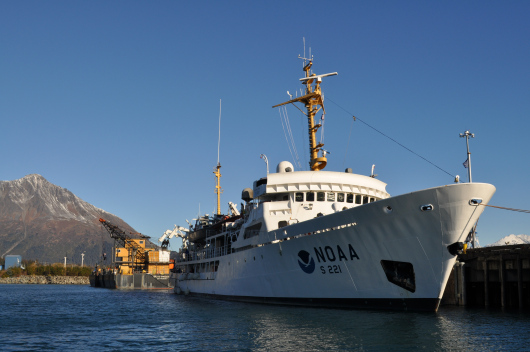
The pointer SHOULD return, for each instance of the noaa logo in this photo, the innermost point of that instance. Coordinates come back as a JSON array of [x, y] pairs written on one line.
[[307, 264]]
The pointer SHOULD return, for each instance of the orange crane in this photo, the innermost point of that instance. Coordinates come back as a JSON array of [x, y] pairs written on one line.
[[137, 256]]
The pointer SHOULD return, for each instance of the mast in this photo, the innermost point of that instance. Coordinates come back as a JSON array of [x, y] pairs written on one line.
[[216, 170], [313, 101], [467, 163], [218, 189]]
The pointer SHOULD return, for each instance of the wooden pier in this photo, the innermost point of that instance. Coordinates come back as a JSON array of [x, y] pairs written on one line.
[[491, 277]]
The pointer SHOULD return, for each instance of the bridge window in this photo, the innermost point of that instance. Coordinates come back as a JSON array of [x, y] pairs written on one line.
[[299, 197], [372, 200], [358, 199], [349, 198], [321, 196], [340, 197], [365, 199], [310, 196], [331, 197]]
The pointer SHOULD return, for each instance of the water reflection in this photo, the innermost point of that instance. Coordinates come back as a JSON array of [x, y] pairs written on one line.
[[45, 317]]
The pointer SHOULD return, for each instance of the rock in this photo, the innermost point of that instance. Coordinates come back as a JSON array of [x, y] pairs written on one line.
[[40, 280]]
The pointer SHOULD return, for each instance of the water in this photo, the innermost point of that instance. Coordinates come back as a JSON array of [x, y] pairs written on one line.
[[81, 318]]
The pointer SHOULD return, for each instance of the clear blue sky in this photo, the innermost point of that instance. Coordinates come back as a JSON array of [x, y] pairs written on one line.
[[119, 101]]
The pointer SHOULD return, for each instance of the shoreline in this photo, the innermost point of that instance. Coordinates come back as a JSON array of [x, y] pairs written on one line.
[[46, 280]]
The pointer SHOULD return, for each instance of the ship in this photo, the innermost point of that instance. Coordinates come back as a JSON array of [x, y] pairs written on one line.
[[329, 238]]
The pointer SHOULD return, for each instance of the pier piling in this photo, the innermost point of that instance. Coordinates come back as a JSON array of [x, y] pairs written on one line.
[[491, 277]]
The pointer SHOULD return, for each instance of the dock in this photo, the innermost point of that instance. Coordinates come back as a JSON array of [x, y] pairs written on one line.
[[491, 277], [143, 281]]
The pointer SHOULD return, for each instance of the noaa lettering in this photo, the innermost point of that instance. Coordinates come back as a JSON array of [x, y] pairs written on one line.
[[329, 254], [341, 254]]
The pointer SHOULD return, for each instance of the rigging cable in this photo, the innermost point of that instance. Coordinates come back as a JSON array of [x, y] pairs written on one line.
[[304, 137], [288, 135], [297, 160], [392, 139], [512, 209], [322, 121], [285, 134], [348, 145]]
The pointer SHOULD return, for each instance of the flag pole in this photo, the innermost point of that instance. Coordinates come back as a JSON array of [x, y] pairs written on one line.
[[468, 134]]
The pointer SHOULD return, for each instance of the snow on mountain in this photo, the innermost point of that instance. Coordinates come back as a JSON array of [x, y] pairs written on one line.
[[511, 240], [54, 202], [42, 221]]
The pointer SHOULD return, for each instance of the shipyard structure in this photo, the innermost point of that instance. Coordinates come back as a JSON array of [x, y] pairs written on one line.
[[137, 263], [491, 277]]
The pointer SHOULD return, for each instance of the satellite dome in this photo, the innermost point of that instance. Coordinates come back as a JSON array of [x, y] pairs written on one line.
[[284, 166]]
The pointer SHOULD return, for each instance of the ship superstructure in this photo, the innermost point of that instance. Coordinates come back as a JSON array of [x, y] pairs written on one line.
[[324, 238]]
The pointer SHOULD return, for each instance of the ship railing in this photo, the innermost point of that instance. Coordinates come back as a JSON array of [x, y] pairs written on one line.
[[220, 251], [216, 252], [205, 253]]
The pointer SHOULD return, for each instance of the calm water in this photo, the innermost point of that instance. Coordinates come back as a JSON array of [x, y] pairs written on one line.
[[80, 318]]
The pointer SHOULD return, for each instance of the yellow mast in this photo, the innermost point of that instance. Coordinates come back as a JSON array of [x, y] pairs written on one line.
[[218, 189], [312, 99], [216, 171]]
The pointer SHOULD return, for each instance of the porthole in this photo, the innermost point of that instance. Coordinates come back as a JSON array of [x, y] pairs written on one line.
[[388, 209]]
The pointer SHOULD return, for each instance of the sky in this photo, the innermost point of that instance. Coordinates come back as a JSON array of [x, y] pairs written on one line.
[[119, 101]]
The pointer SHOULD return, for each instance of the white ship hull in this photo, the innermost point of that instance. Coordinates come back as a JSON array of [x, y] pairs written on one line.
[[336, 260]]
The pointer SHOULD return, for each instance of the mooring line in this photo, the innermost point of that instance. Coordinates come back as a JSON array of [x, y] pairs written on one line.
[[505, 208]]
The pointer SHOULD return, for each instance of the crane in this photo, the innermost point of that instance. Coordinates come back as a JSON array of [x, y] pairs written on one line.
[[137, 256], [178, 231]]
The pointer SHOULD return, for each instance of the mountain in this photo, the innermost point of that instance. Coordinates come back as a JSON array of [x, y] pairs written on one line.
[[44, 222], [511, 240]]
